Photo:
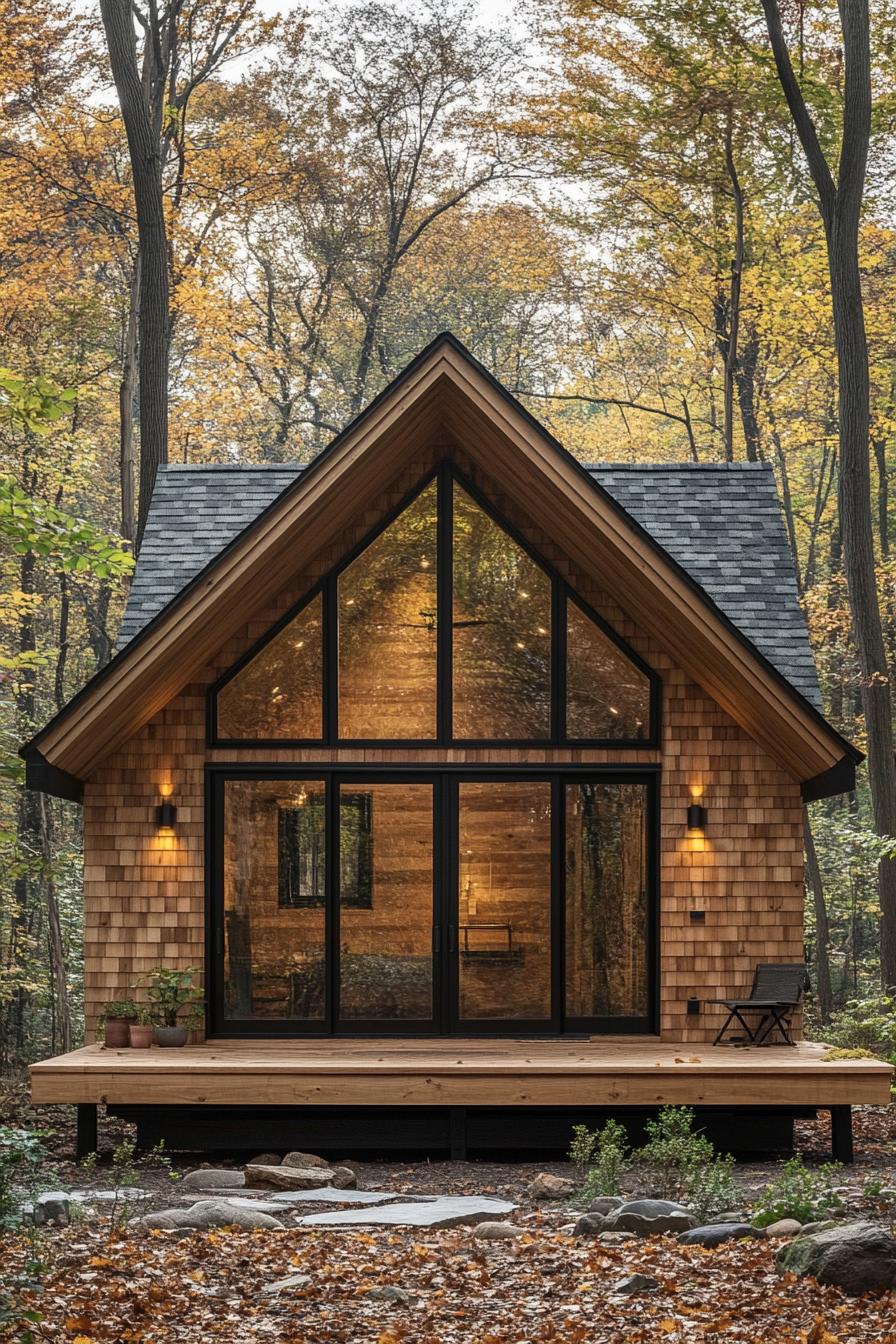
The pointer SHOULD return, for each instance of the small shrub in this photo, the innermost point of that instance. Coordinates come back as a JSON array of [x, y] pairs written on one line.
[[672, 1153], [711, 1188], [601, 1157], [800, 1192], [675, 1163], [840, 1052]]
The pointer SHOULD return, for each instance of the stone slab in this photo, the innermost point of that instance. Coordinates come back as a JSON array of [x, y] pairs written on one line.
[[443, 1211], [327, 1194]]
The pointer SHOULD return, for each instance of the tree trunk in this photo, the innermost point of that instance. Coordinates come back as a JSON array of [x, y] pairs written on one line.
[[858, 558], [137, 104], [745, 375], [823, 992], [126, 391], [840, 207]]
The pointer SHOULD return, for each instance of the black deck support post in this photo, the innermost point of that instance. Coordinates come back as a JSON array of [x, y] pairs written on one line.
[[841, 1133], [85, 1132], [457, 1122]]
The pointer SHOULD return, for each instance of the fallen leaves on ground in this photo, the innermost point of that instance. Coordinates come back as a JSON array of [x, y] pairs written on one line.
[[550, 1287]]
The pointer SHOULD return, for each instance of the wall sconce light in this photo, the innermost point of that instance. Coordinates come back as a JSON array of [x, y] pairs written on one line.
[[696, 817], [166, 815]]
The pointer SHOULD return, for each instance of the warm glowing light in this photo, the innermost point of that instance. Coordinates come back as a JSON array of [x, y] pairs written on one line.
[[166, 789], [520, 644], [523, 593], [299, 644], [424, 563], [542, 630], [613, 710]]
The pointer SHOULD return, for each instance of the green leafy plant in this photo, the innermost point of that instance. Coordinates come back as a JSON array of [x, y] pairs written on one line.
[[21, 1155], [674, 1153], [864, 1024], [119, 1008], [174, 1000], [601, 1157], [804, 1193], [676, 1162]]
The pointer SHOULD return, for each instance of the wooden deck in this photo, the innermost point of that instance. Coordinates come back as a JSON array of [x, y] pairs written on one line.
[[459, 1073]]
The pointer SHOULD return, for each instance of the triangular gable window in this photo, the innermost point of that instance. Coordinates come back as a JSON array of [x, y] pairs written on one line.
[[370, 656]]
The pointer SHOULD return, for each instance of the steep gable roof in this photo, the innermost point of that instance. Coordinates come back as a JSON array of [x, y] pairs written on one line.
[[444, 396], [721, 522]]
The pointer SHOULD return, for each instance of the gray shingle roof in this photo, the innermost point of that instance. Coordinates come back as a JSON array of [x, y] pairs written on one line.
[[721, 522]]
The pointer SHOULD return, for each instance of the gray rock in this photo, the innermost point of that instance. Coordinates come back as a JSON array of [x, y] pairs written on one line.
[[343, 1178], [266, 1160], [305, 1160], [857, 1258], [259, 1205], [605, 1204], [208, 1213], [388, 1292], [213, 1178], [498, 1232], [443, 1211], [821, 1226], [732, 1216], [284, 1285], [615, 1238], [288, 1178], [591, 1225], [327, 1194], [546, 1186], [53, 1206], [650, 1217], [784, 1227], [716, 1233], [636, 1283]]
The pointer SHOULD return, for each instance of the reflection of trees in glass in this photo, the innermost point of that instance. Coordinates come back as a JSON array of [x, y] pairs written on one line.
[[387, 630], [501, 633], [279, 694], [267, 974], [607, 696], [301, 852], [606, 915]]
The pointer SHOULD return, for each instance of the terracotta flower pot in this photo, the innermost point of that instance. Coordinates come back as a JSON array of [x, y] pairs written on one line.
[[141, 1037], [115, 1032], [168, 1036]]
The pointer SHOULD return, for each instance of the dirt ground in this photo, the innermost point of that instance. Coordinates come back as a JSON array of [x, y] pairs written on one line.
[[93, 1284]]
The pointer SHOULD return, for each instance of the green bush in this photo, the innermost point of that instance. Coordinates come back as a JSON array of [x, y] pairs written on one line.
[[864, 1024], [675, 1163], [800, 1192], [601, 1157]]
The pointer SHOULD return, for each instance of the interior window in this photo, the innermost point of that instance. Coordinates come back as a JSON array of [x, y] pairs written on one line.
[[387, 630], [501, 667], [607, 696]]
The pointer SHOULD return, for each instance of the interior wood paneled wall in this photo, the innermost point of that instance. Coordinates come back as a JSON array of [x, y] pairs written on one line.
[[144, 894]]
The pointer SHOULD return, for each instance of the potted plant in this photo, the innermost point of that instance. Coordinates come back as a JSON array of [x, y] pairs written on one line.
[[141, 1031], [114, 1021], [175, 1004]]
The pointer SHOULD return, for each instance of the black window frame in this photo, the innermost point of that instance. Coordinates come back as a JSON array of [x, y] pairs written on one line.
[[445, 474], [445, 778]]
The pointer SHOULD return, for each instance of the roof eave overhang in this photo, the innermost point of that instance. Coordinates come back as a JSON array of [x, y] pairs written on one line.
[[444, 396]]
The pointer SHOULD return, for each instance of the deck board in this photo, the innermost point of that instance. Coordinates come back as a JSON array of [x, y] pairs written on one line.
[[460, 1072]]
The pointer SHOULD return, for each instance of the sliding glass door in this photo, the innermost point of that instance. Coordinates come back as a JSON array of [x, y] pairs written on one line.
[[452, 901]]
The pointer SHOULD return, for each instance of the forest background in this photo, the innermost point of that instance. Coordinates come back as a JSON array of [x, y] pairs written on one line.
[[621, 208]]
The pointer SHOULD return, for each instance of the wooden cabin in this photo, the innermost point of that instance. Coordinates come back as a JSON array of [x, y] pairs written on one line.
[[469, 775]]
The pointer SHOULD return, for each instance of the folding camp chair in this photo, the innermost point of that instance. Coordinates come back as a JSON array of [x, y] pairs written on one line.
[[776, 993]]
